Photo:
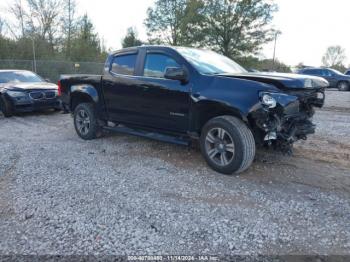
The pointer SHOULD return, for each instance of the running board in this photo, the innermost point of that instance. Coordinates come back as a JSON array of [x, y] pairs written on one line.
[[150, 135]]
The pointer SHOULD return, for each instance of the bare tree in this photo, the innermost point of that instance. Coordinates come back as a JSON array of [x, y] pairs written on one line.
[[335, 56], [17, 9], [2, 25], [44, 18], [69, 24]]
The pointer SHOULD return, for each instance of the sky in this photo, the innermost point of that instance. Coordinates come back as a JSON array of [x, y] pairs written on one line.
[[308, 26]]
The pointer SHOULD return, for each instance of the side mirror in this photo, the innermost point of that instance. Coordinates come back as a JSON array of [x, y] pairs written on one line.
[[48, 80], [176, 73]]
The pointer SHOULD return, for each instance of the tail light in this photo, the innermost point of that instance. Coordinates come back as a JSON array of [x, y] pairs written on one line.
[[59, 91]]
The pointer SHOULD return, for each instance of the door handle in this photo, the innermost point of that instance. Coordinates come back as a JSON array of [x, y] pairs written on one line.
[[145, 87]]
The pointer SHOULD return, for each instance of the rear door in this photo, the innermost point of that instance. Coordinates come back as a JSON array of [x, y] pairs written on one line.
[[330, 77], [121, 89]]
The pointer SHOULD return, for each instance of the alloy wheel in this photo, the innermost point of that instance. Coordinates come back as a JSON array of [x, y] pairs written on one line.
[[219, 146], [343, 86], [83, 122]]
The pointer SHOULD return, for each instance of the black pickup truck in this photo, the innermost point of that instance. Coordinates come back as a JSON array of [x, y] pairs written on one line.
[[179, 94]]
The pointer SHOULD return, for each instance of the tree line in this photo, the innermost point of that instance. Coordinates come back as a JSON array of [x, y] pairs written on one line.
[[53, 28], [235, 28]]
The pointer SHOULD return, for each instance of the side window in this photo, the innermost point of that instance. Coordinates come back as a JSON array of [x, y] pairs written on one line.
[[124, 64], [317, 72], [326, 73], [310, 72], [307, 72], [156, 64]]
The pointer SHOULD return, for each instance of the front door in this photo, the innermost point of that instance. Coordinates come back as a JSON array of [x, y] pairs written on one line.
[[165, 103], [330, 77]]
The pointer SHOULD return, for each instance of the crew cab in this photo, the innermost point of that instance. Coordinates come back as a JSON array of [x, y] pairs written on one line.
[[25, 91], [179, 94]]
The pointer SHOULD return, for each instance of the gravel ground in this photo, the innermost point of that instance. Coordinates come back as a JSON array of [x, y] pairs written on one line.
[[120, 194]]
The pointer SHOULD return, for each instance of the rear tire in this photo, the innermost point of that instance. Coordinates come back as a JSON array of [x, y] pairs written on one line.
[[5, 107], [227, 145], [343, 86], [85, 121]]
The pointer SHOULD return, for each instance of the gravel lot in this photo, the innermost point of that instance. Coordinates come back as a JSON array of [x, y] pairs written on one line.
[[127, 195]]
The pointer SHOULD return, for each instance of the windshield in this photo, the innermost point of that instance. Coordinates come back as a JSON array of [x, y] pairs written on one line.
[[19, 77], [209, 62]]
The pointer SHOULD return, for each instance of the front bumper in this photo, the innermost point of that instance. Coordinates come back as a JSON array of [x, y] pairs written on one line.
[[28, 105], [288, 122]]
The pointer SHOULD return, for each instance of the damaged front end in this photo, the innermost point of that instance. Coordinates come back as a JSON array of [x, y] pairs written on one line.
[[283, 118]]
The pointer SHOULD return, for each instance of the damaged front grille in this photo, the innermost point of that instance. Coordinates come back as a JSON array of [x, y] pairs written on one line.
[[40, 95]]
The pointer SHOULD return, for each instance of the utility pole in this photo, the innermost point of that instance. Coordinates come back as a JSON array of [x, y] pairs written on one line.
[[274, 48], [34, 56]]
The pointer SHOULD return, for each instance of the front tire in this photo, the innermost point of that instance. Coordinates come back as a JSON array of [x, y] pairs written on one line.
[[343, 86], [85, 121], [5, 107], [227, 145]]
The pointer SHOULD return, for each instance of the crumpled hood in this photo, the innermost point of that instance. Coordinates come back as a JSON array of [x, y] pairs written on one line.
[[284, 80], [28, 86]]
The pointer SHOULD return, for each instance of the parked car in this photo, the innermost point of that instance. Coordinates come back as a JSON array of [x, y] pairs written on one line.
[[178, 94], [24, 91], [347, 73], [335, 78]]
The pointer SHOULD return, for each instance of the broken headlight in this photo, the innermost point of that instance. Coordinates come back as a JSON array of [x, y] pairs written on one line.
[[308, 83], [268, 100]]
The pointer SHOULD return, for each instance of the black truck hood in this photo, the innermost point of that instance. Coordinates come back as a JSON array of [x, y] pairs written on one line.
[[284, 81], [28, 86]]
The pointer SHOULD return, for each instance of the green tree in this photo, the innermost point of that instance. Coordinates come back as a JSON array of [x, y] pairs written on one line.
[[131, 38], [334, 57], [238, 27], [86, 45], [175, 22], [56, 31]]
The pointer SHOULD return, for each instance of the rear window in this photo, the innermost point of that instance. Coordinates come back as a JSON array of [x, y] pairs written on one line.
[[124, 64]]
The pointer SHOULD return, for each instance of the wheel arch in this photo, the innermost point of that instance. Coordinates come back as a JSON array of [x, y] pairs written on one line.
[[345, 82], [82, 94], [206, 110]]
